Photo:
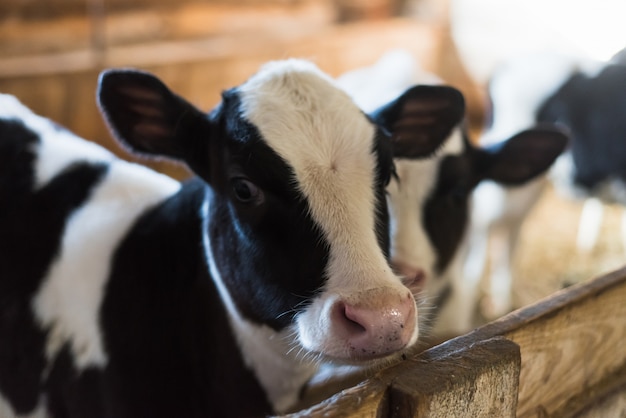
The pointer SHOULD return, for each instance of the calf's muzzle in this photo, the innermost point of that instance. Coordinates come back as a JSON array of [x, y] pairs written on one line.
[[374, 323]]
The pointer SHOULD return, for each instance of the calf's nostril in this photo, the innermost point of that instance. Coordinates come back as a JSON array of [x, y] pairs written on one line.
[[377, 326], [355, 320]]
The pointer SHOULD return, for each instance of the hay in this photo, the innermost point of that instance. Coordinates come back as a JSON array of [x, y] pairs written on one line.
[[548, 259]]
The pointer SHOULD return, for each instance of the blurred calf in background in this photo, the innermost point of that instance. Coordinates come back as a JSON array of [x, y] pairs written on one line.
[[429, 199], [588, 100]]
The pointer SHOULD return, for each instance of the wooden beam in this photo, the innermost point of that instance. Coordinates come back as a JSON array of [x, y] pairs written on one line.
[[336, 49], [176, 22], [62, 86], [367, 399], [480, 380], [612, 405], [477, 380], [570, 342], [573, 363], [605, 399]]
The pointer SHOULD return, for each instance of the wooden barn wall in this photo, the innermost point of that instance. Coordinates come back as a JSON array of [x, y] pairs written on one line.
[[62, 85], [51, 52], [105, 23]]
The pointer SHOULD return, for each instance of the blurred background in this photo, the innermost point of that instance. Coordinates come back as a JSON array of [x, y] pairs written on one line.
[[51, 52]]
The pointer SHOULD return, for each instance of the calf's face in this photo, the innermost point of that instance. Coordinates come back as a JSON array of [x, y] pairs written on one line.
[[295, 216], [429, 200]]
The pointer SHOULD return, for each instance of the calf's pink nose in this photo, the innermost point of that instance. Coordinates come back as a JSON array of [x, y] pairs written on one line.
[[376, 327]]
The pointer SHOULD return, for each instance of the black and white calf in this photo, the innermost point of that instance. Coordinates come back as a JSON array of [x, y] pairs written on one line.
[[126, 294], [429, 199], [586, 98]]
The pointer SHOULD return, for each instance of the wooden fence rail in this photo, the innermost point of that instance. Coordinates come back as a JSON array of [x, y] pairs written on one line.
[[564, 356]]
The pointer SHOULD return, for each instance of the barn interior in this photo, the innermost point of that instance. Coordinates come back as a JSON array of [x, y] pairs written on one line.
[[51, 53]]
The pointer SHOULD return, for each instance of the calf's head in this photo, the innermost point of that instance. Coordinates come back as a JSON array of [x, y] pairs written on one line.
[[429, 201], [295, 216]]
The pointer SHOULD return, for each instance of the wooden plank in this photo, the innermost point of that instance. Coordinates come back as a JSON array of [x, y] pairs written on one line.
[[442, 383], [336, 49], [605, 399], [184, 21], [612, 405], [62, 87], [570, 342], [480, 380], [367, 400], [573, 362], [37, 10]]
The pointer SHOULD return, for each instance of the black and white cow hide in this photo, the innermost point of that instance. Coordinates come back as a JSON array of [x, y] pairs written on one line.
[[124, 293]]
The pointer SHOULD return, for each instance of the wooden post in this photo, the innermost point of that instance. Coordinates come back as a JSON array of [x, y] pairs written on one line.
[[478, 380], [573, 346]]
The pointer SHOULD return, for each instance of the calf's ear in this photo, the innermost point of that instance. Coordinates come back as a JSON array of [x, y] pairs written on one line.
[[421, 119], [524, 156], [145, 115]]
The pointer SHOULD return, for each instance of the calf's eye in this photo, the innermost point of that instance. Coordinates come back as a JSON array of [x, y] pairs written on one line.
[[246, 192]]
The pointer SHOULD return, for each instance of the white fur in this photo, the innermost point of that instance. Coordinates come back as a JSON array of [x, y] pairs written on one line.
[[60, 150], [410, 245], [411, 248], [372, 87], [393, 73], [323, 135], [59, 146], [332, 163], [497, 212], [517, 90], [69, 298], [6, 411], [589, 225], [520, 87]]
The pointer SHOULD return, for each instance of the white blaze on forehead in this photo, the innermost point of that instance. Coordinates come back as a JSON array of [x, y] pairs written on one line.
[[371, 87], [328, 142]]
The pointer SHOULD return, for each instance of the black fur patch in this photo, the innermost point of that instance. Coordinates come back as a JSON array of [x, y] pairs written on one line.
[[271, 255], [31, 227], [166, 330], [446, 211], [592, 108]]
